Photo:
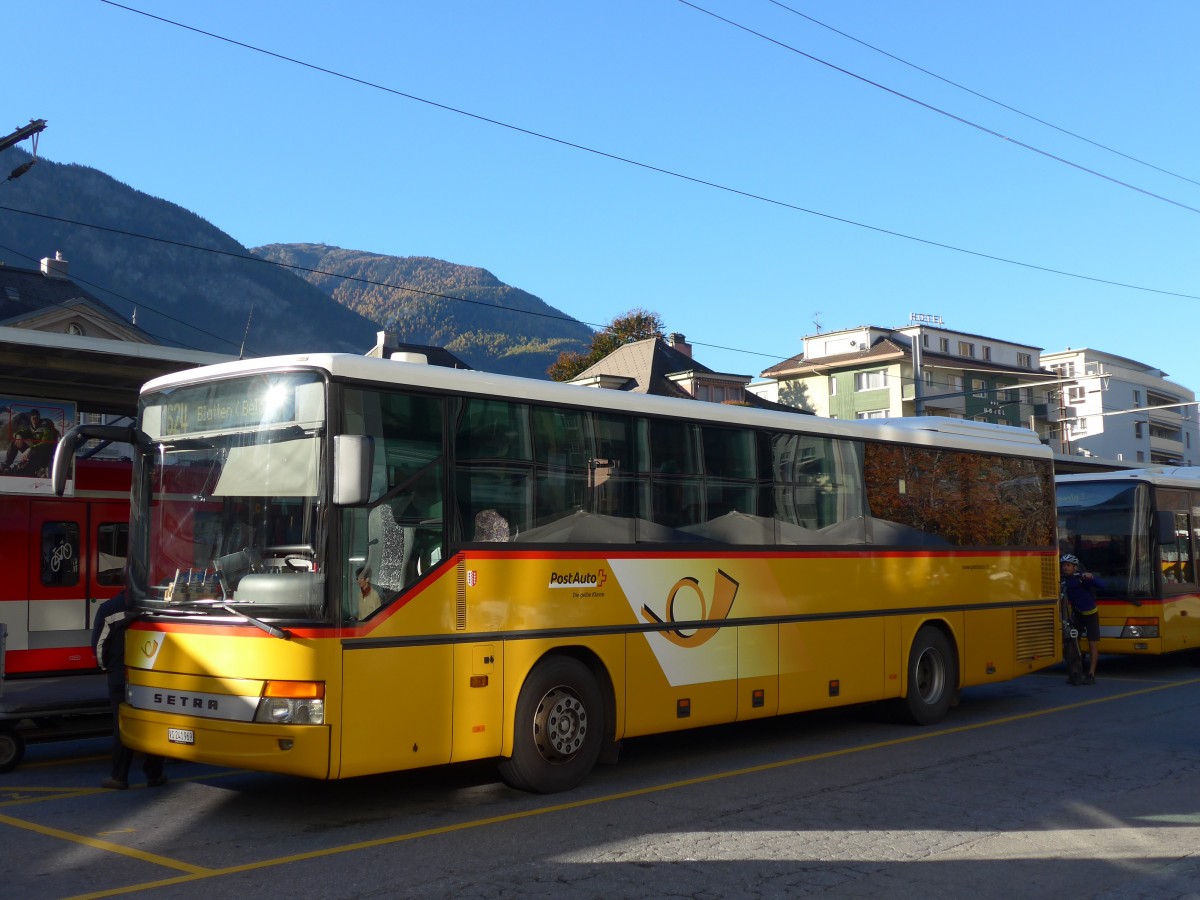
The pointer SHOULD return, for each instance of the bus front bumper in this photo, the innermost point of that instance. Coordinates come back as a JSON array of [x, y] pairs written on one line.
[[288, 749]]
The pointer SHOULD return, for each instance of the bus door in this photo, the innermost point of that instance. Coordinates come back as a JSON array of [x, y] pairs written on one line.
[[77, 553], [1181, 606]]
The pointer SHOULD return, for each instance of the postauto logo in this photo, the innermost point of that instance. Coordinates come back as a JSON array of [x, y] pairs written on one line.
[[576, 580]]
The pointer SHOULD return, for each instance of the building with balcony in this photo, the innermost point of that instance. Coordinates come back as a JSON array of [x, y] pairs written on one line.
[[1120, 409], [923, 368]]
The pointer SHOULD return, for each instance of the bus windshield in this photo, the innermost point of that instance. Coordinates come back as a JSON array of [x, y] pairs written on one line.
[[230, 501], [1106, 525]]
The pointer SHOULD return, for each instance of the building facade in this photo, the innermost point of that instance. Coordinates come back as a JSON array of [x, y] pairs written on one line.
[[1120, 409], [920, 369]]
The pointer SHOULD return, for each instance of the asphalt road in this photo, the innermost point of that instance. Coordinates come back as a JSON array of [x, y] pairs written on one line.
[[1029, 789]]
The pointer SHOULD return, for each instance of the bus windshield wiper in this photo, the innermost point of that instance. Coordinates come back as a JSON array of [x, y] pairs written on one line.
[[272, 630]]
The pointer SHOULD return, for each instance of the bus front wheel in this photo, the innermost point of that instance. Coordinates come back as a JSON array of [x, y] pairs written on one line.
[[931, 678], [559, 728]]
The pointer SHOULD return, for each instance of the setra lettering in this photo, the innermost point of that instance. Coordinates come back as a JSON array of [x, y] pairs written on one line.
[[185, 702]]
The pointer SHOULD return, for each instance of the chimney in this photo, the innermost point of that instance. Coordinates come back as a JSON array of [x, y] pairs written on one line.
[[679, 342], [54, 268], [383, 340]]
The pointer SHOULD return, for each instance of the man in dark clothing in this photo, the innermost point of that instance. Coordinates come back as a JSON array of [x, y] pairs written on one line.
[[108, 643], [1080, 589]]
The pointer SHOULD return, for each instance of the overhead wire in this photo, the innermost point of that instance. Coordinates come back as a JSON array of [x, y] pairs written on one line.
[[604, 154], [982, 96], [936, 109], [647, 166]]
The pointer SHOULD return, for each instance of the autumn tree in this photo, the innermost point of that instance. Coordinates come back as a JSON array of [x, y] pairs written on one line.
[[636, 325]]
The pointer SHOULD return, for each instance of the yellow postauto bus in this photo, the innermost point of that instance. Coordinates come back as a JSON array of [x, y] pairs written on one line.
[[348, 566], [1138, 532]]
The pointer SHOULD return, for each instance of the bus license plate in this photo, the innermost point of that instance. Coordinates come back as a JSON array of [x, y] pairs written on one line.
[[181, 736]]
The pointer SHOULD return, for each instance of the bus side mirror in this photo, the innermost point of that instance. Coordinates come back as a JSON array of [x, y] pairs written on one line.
[[353, 455], [64, 453], [1165, 526]]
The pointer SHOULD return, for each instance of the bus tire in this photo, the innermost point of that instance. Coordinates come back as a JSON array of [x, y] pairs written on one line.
[[12, 749], [931, 684], [559, 728]]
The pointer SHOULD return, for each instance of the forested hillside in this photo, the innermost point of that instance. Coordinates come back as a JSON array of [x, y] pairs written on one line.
[[190, 288], [184, 293], [467, 310]]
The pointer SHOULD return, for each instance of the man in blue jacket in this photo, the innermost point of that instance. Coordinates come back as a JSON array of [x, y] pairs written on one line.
[[108, 642], [1080, 588]]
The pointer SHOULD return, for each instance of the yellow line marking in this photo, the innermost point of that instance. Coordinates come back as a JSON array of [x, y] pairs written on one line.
[[63, 794], [201, 874], [39, 790], [46, 763], [98, 844], [15, 798]]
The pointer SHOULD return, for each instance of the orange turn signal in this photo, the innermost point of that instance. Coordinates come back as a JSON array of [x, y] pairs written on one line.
[[295, 690]]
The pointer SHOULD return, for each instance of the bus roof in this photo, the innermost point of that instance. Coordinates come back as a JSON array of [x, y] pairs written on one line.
[[939, 430], [1166, 476]]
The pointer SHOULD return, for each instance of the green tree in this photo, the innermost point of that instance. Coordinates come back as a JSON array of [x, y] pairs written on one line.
[[636, 325]]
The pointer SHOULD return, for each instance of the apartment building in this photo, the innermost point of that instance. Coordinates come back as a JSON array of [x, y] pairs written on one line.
[[1117, 408], [922, 368]]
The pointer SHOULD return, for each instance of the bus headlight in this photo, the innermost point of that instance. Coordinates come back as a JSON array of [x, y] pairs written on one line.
[[1140, 628], [292, 703]]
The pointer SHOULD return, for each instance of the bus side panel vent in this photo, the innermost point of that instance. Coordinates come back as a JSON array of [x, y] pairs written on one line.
[[1037, 633], [1050, 574], [460, 595]]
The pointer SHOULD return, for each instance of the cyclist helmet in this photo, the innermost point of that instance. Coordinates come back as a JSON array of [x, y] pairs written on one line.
[[1070, 558]]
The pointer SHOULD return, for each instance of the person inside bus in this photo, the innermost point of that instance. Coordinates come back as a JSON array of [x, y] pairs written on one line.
[[491, 526], [1080, 589], [113, 618], [369, 599]]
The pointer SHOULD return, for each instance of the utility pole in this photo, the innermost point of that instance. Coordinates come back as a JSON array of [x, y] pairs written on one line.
[[32, 130], [35, 127]]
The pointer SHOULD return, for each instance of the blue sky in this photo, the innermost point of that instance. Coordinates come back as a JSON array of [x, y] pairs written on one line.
[[271, 151]]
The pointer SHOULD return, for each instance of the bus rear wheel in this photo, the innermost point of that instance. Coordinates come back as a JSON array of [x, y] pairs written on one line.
[[931, 678], [559, 728]]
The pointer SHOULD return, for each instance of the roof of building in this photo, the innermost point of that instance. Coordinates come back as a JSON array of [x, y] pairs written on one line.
[[646, 367], [883, 350], [27, 292]]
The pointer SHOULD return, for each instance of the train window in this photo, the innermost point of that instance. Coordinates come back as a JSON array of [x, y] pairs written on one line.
[[112, 546]]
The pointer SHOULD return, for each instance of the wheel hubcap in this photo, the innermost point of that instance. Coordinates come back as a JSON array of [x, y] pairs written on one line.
[[931, 676], [560, 725]]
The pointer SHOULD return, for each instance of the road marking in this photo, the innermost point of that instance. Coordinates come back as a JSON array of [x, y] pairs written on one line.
[[98, 844], [198, 873], [46, 763]]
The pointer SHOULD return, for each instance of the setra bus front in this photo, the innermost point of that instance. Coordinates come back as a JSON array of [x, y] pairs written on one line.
[[230, 661]]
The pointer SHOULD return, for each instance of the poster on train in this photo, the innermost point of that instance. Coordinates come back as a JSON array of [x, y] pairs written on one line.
[[30, 429]]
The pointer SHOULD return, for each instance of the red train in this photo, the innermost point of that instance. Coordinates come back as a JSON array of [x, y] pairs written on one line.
[[59, 559]]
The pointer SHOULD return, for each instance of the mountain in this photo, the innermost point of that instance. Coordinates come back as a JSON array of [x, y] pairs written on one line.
[[206, 299], [467, 310], [195, 286]]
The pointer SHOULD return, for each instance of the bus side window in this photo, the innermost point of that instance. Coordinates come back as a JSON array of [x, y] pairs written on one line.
[[1175, 559]]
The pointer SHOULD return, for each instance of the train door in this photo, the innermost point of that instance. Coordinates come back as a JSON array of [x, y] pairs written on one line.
[[77, 553]]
